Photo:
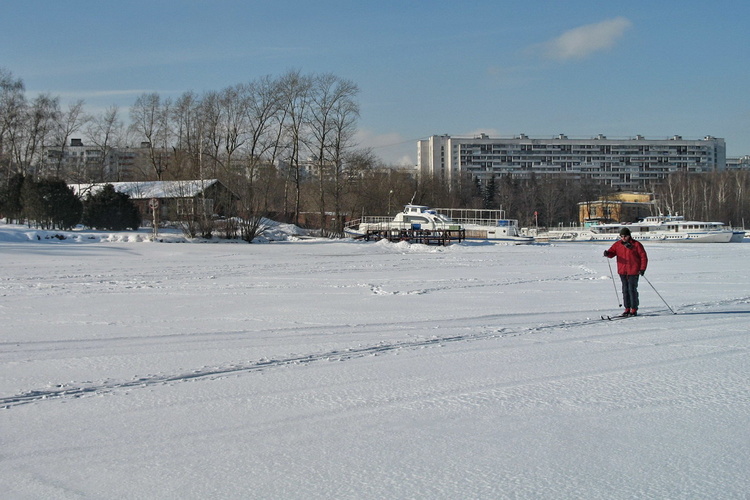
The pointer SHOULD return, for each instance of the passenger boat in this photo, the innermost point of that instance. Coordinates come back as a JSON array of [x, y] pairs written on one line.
[[475, 223], [413, 217], [666, 228]]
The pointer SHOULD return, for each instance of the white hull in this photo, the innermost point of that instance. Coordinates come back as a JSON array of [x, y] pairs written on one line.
[[495, 233], [718, 237], [656, 229]]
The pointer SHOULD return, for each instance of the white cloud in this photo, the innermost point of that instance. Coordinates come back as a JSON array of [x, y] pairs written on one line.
[[368, 138], [392, 148], [580, 42]]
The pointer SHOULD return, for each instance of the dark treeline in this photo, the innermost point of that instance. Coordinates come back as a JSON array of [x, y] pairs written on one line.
[[45, 203], [286, 147], [49, 203]]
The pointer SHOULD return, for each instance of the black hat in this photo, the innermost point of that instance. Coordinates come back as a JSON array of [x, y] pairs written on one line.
[[624, 232]]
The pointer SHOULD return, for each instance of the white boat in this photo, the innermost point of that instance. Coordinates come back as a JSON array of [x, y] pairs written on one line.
[[657, 228], [413, 217], [477, 224], [481, 224]]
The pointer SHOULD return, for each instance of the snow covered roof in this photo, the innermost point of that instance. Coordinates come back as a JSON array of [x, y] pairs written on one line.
[[150, 189]]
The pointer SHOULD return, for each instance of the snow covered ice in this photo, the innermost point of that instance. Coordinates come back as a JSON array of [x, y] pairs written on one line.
[[341, 369]]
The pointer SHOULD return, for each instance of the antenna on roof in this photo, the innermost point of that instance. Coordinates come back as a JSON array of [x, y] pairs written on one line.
[[412, 198]]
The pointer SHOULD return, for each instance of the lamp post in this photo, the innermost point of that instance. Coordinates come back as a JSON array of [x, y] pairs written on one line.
[[154, 206]]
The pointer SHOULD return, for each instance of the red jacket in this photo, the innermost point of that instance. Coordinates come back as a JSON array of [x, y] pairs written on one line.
[[630, 261]]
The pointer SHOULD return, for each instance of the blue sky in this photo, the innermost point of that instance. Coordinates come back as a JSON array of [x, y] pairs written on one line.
[[536, 67]]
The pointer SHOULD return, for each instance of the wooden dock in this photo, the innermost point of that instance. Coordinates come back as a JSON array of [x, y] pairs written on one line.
[[424, 236]]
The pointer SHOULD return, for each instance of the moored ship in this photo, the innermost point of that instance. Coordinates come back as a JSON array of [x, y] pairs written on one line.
[[666, 228]]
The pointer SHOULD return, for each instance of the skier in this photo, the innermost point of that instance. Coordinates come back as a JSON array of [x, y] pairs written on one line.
[[631, 263]]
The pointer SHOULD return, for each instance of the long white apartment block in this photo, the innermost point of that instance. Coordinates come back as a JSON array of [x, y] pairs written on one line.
[[629, 163]]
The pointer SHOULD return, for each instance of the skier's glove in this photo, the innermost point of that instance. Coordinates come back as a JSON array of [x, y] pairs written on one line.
[[643, 272], [606, 253]]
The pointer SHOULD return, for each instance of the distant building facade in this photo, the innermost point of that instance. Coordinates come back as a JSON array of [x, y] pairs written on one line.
[[739, 163], [619, 207], [628, 164], [78, 162]]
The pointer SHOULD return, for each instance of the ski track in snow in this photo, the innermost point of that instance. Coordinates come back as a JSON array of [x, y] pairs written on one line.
[[72, 390], [85, 283]]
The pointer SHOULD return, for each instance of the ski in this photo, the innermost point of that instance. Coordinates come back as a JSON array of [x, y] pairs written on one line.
[[613, 318]]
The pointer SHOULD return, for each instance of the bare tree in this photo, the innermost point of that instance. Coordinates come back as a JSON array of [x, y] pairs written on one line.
[[193, 119], [263, 101], [295, 95], [345, 112], [210, 116], [150, 121], [234, 102], [105, 133], [12, 106], [69, 123], [40, 119], [263, 108], [268, 122], [184, 123], [741, 203]]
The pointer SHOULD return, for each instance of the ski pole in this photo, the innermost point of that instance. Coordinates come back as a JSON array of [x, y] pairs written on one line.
[[619, 304], [657, 293]]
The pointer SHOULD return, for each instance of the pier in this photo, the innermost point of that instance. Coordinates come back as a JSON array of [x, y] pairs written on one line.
[[424, 236]]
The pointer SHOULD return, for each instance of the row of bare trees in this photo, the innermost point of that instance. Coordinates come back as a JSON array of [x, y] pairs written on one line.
[[285, 145], [27, 127], [269, 140], [715, 196]]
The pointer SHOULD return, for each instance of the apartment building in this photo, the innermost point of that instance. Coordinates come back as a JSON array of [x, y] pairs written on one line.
[[630, 164], [79, 162], [739, 163]]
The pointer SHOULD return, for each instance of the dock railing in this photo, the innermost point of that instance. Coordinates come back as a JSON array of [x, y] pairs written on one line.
[[475, 216]]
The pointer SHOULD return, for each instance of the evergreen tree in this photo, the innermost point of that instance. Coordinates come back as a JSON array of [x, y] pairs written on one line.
[[49, 203], [489, 194], [62, 208], [111, 210], [11, 206], [32, 202]]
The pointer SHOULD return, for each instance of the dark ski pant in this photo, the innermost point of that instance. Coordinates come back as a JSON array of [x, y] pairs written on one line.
[[629, 291]]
